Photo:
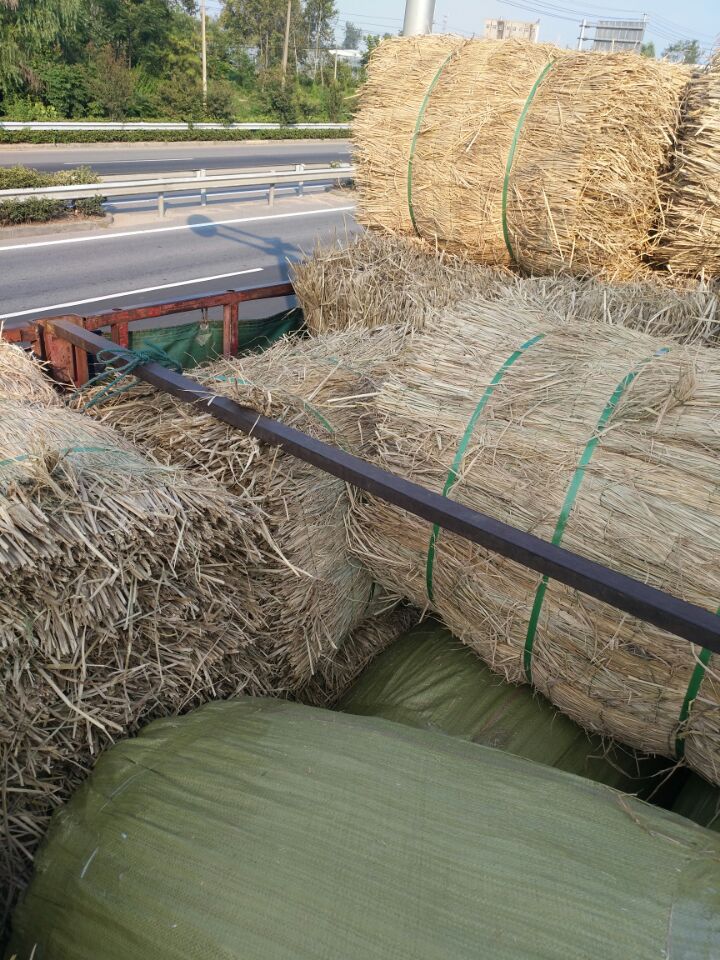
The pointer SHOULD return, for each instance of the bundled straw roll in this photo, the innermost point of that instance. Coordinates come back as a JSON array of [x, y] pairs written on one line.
[[381, 280], [378, 279], [122, 596], [689, 242], [460, 155], [401, 68], [584, 182], [311, 590], [511, 152], [596, 438]]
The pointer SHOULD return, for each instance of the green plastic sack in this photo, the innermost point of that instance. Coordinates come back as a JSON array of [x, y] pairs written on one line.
[[699, 801], [428, 679], [265, 830]]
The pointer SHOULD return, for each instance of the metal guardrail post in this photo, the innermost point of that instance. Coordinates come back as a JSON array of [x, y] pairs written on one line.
[[203, 192], [161, 204], [299, 167], [271, 193]]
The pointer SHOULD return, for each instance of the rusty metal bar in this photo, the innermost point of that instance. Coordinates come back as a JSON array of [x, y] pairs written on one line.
[[149, 311], [638, 599]]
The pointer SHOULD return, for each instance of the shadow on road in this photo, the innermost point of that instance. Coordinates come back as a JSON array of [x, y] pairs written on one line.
[[274, 247]]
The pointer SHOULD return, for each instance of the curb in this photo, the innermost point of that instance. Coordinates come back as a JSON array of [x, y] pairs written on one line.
[[74, 225]]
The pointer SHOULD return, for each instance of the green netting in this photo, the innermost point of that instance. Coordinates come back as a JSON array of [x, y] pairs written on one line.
[[191, 344], [699, 801], [428, 679], [265, 830]]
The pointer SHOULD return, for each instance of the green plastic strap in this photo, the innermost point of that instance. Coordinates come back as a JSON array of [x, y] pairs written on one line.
[[452, 476], [416, 133], [570, 500], [511, 154], [698, 675]]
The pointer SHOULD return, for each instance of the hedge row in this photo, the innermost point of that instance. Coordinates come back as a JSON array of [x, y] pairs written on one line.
[[172, 136], [26, 178], [44, 209]]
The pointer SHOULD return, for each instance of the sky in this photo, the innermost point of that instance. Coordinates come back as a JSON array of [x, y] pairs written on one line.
[[559, 19]]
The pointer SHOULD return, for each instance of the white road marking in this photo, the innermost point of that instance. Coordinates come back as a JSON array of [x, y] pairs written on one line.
[[105, 163], [182, 226], [128, 293]]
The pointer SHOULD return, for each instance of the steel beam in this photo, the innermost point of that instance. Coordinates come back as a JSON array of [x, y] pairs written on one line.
[[686, 620]]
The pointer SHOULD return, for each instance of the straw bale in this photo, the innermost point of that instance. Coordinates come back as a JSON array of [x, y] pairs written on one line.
[[399, 72], [689, 242], [647, 506], [312, 591], [464, 142], [584, 188], [378, 279], [124, 596], [22, 377]]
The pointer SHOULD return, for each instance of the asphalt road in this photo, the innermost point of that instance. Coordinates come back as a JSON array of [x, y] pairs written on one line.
[[199, 250], [145, 158]]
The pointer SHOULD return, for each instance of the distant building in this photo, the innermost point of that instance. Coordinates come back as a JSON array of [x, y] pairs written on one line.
[[617, 35], [353, 58], [512, 30]]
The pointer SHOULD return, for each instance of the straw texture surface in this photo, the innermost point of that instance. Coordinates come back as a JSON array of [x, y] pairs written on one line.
[[311, 589], [378, 279], [511, 152], [690, 241], [596, 437], [122, 596]]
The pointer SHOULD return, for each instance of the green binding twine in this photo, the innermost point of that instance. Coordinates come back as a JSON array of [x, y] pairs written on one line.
[[416, 133], [452, 476], [132, 359], [696, 679], [62, 452], [511, 155], [569, 501]]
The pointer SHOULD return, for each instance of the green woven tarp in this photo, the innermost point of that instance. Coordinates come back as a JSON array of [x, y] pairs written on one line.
[[191, 344], [428, 679], [699, 801], [265, 830]]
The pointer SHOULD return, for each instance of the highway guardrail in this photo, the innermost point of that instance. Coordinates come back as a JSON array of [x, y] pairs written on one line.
[[202, 181]]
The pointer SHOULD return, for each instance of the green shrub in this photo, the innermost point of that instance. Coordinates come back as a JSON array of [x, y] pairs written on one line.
[[35, 210], [25, 178], [90, 207], [164, 136]]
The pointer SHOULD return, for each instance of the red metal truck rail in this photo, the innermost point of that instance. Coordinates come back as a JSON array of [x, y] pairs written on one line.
[[70, 365]]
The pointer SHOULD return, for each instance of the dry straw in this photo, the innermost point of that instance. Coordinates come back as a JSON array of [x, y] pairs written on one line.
[[593, 437], [378, 279], [124, 596], [689, 243], [464, 142], [312, 591], [513, 152], [400, 71], [584, 186]]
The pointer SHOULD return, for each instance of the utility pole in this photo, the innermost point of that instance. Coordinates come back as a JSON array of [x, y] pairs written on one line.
[[204, 54], [581, 38], [418, 17], [286, 42]]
